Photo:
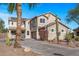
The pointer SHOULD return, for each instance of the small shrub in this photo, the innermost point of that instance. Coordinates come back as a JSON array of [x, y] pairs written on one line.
[[77, 38], [68, 37], [8, 43]]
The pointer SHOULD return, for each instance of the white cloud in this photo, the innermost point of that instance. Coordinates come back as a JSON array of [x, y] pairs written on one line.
[[4, 14]]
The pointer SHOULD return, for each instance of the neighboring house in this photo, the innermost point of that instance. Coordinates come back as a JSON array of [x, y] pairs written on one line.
[[25, 28], [76, 31], [43, 27]]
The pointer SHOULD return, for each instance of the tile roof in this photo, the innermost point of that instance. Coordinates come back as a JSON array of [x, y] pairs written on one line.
[[14, 19]]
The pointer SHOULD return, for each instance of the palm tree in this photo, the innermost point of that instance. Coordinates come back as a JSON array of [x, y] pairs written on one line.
[[57, 32], [17, 7]]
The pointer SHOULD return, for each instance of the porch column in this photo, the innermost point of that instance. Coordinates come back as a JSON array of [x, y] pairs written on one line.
[[37, 33], [25, 34], [9, 33]]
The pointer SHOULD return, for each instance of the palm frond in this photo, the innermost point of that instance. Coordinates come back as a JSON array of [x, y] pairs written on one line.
[[73, 15], [32, 5], [11, 7], [3, 3]]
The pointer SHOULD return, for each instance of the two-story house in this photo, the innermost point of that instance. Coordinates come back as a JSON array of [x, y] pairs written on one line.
[[44, 27], [41, 27], [25, 28]]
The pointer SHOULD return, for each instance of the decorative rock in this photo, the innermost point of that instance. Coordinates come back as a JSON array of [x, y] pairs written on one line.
[[27, 50], [77, 45]]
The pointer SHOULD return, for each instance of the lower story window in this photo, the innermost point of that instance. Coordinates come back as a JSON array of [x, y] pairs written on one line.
[[27, 32], [62, 30], [13, 32], [52, 30]]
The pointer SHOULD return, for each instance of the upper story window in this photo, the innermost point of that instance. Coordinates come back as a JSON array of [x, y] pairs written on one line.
[[42, 20], [12, 23]]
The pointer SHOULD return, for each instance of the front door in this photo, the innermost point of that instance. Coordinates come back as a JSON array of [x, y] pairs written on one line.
[[43, 34]]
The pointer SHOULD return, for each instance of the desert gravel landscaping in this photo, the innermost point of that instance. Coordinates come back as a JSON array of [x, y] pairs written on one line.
[[10, 51]]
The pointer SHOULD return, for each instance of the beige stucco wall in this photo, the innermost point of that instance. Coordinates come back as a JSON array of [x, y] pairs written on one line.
[[62, 34], [52, 35]]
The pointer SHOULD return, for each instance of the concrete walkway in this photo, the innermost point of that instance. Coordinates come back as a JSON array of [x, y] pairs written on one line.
[[45, 48]]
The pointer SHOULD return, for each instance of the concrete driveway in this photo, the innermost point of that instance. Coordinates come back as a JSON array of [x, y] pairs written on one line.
[[47, 49]]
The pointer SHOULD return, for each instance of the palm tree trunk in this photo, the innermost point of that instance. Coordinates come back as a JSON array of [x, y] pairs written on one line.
[[18, 29], [57, 34]]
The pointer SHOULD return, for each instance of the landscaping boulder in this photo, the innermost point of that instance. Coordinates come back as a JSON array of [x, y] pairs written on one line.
[[27, 49]]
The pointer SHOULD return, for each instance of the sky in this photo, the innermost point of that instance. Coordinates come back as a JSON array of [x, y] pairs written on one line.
[[59, 9]]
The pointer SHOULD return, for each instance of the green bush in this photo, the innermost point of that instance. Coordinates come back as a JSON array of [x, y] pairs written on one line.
[[8, 40], [68, 37], [77, 38]]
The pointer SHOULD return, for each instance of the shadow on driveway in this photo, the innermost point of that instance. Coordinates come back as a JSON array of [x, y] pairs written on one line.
[[57, 54]]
